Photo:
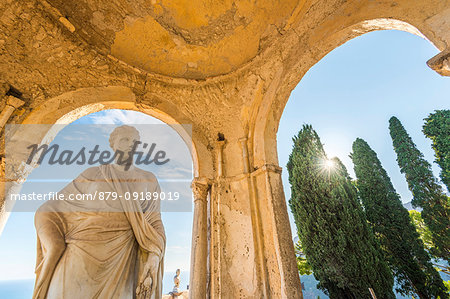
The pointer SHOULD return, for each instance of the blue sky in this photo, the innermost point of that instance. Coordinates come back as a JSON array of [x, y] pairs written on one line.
[[354, 90], [350, 93]]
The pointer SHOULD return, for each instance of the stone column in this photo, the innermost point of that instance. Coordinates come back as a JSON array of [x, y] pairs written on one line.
[[282, 272], [199, 249]]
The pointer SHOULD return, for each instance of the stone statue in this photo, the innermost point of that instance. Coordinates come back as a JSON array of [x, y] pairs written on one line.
[[176, 288], [102, 248]]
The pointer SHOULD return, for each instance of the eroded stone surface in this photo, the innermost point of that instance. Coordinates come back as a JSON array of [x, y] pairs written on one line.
[[190, 39], [227, 68]]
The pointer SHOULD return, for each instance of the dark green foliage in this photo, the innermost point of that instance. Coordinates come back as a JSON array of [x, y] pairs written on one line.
[[427, 193], [403, 248], [437, 128], [334, 233]]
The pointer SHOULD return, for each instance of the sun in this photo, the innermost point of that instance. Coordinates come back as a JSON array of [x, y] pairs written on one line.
[[329, 164]]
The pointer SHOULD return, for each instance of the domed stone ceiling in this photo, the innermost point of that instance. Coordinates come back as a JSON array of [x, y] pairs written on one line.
[[178, 38]]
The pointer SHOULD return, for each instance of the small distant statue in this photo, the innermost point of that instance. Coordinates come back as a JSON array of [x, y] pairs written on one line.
[[176, 288]]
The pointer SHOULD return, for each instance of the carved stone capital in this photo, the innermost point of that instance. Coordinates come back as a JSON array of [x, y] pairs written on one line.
[[200, 188], [14, 102]]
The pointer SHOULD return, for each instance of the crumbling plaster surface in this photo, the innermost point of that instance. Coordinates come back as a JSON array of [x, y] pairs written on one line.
[[43, 59], [226, 67], [190, 39]]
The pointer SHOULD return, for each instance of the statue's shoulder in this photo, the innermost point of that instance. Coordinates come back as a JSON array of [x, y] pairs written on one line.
[[148, 175], [91, 173]]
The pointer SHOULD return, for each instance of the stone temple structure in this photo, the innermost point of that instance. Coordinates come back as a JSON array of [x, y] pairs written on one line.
[[226, 67]]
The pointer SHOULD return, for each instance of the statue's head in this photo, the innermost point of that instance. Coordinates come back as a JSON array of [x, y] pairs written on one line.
[[123, 138], [178, 272]]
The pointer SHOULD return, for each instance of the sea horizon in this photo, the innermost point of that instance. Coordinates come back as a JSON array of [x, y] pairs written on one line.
[[22, 288]]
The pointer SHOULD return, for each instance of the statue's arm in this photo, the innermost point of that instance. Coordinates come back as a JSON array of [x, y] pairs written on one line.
[[157, 222], [50, 247], [151, 263], [51, 229]]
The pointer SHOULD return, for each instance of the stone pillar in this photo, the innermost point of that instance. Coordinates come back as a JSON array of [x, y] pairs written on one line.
[[281, 264], [199, 251], [219, 149]]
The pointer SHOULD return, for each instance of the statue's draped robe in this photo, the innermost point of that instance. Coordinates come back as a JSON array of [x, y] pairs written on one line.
[[107, 242]]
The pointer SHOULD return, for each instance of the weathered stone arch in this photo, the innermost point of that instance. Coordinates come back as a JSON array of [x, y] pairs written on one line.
[[71, 106], [288, 76], [286, 71]]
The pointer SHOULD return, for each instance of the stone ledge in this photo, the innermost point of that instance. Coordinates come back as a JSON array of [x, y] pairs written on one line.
[[441, 63], [184, 295]]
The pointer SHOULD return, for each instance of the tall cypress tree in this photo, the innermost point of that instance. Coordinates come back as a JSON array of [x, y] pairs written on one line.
[[427, 193], [437, 128], [336, 238], [403, 248]]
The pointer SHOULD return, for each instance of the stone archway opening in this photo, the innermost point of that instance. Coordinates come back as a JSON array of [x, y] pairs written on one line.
[[266, 121], [275, 126], [179, 223]]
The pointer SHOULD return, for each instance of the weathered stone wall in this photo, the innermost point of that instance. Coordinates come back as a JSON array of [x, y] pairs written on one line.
[[227, 68]]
